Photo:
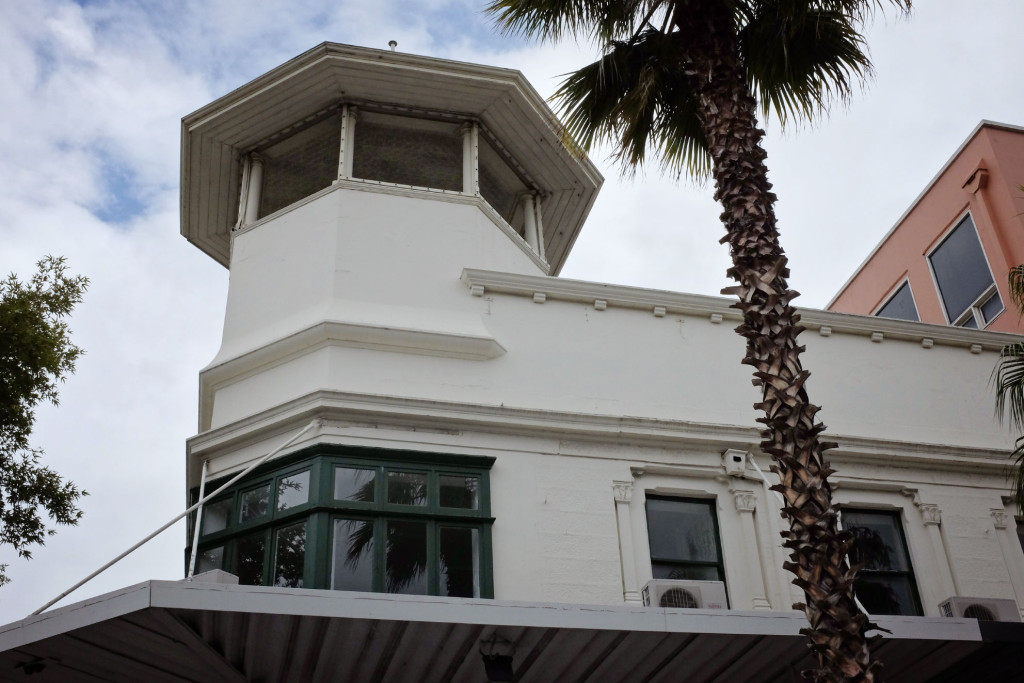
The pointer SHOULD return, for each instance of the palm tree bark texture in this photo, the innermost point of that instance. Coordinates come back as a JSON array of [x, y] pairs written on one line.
[[770, 325]]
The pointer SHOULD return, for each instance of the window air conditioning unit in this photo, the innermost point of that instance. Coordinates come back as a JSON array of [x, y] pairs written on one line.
[[676, 594], [982, 609]]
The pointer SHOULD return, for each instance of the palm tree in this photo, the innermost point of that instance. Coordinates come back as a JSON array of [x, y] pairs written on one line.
[[681, 79], [1008, 377]]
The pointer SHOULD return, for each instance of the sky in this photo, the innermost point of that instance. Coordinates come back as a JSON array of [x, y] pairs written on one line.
[[91, 98]]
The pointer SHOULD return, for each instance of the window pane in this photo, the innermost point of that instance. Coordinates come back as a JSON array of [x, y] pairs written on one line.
[[900, 306], [1020, 532], [208, 560], [290, 556], [691, 572], [991, 308], [300, 165], [405, 568], [407, 488], [459, 492], [215, 515], [681, 530], [293, 490], [254, 504], [960, 269], [352, 569], [351, 483], [884, 594], [408, 151], [460, 550], [249, 559], [878, 541], [500, 186], [970, 322]]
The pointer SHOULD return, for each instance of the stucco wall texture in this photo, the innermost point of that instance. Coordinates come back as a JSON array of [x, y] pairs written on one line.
[[982, 178]]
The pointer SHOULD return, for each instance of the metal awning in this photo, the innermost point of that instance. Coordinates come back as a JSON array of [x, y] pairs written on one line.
[[176, 631]]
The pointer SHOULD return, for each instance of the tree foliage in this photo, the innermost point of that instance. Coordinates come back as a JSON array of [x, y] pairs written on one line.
[[683, 81], [36, 354]]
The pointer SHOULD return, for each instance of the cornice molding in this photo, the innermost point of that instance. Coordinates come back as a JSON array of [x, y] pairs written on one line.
[[451, 417], [827, 322]]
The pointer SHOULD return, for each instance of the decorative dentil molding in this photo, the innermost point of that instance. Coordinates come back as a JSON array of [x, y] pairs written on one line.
[[623, 491]]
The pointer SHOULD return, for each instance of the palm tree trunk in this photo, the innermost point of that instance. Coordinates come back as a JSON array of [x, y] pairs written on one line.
[[790, 436]]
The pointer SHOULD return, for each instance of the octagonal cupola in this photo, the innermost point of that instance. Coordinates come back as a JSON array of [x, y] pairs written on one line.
[[383, 121], [347, 191]]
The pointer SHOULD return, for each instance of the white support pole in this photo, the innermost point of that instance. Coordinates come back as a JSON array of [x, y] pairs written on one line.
[[168, 525], [468, 159], [475, 157], [344, 170], [255, 189], [199, 522], [537, 207], [623, 492], [243, 192], [348, 142], [530, 221]]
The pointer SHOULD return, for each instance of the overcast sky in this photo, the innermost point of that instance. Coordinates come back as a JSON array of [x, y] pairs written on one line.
[[91, 97]]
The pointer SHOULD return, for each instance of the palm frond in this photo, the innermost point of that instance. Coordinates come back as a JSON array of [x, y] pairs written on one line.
[[1016, 279], [603, 20], [800, 62], [1008, 378], [637, 98]]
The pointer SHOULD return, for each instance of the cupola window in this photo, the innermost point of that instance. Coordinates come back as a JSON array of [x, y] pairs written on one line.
[[411, 150]]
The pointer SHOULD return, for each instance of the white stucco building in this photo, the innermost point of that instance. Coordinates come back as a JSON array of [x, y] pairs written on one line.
[[530, 450]]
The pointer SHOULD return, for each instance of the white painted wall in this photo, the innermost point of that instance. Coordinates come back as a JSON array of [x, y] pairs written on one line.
[[571, 399]]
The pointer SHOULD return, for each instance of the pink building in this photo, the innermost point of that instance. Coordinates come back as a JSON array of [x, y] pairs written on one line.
[[947, 258]]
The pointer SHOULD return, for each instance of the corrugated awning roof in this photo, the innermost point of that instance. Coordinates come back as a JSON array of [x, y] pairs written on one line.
[[176, 631]]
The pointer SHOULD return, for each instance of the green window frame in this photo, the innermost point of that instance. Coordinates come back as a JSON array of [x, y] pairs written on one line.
[[413, 523], [885, 584], [684, 539]]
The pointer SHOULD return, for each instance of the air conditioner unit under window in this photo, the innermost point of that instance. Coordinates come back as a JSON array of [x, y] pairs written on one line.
[[982, 609], [676, 594]]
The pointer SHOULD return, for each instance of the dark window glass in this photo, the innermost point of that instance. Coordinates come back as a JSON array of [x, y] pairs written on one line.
[[352, 568], [255, 503], [407, 488], [900, 306], [351, 483], [1020, 532], [293, 490], [249, 551], [961, 269], [216, 515], [405, 568], [885, 584], [991, 308], [290, 556], [970, 323], [460, 577], [408, 151], [501, 186], [210, 559], [459, 491], [683, 537], [300, 165]]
